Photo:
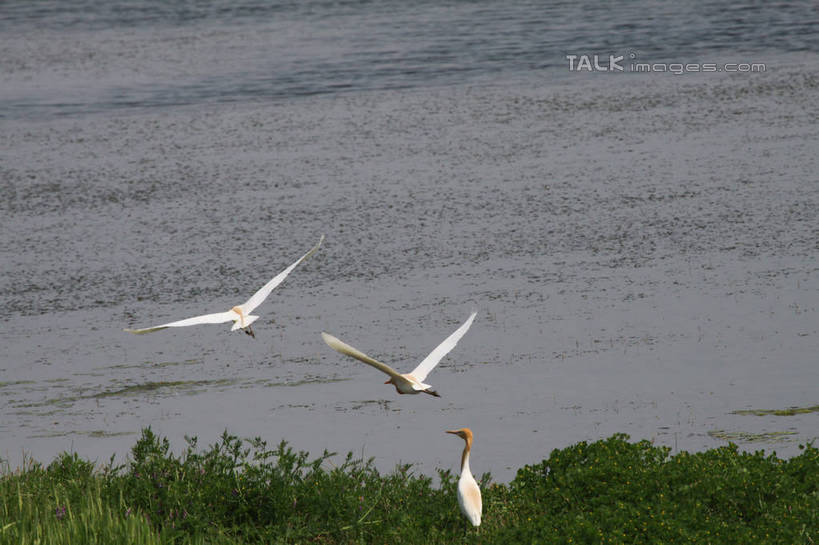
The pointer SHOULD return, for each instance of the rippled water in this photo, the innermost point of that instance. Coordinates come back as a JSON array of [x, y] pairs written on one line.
[[641, 248], [65, 58]]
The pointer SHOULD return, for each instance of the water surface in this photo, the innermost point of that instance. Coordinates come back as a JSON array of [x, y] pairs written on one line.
[[641, 248], [69, 58]]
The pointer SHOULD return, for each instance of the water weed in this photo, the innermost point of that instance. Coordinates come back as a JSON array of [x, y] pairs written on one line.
[[790, 411]]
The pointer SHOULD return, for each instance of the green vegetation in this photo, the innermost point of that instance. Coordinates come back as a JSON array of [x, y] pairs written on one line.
[[748, 437], [790, 411], [241, 492], [189, 386]]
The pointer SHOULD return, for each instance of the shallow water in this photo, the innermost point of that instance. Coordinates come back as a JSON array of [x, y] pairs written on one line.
[[641, 250]]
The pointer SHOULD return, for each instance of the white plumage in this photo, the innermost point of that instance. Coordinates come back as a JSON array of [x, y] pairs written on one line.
[[240, 314], [469, 494], [412, 382]]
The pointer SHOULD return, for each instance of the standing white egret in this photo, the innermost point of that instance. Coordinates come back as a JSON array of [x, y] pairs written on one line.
[[240, 314], [412, 382], [469, 494]]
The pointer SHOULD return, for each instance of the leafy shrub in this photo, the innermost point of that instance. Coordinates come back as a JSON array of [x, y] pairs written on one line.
[[241, 492], [613, 491]]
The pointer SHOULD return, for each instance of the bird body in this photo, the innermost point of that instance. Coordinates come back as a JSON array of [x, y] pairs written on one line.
[[408, 384], [240, 314], [469, 493], [405, 383]]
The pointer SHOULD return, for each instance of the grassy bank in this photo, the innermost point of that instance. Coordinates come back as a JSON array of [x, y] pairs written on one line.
[[237, 492]]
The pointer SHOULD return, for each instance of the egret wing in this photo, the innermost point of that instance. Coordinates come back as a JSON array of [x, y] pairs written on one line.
[[348, 350], [258, 297], [441, 350], [218, 318]]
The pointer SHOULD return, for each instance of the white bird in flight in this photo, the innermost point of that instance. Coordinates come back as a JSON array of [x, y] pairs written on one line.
[[240, 314], [469, 494], [412, 382]]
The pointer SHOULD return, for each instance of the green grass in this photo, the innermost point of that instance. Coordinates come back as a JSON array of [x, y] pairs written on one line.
[[241, 492]]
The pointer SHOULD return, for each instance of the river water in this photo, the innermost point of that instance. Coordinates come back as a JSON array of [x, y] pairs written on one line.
[[641, 247]]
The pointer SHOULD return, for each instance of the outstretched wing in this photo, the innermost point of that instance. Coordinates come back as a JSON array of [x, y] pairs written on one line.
[[442, 350], [218, 318], [257, 298], [348, 350]]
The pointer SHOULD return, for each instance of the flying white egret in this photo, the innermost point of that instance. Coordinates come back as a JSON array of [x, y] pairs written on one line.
[[412, 382], [240, 314], [469, 494]]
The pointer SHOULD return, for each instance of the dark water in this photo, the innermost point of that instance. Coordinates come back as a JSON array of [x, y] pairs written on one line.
[[66, 58], [642, 248]]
